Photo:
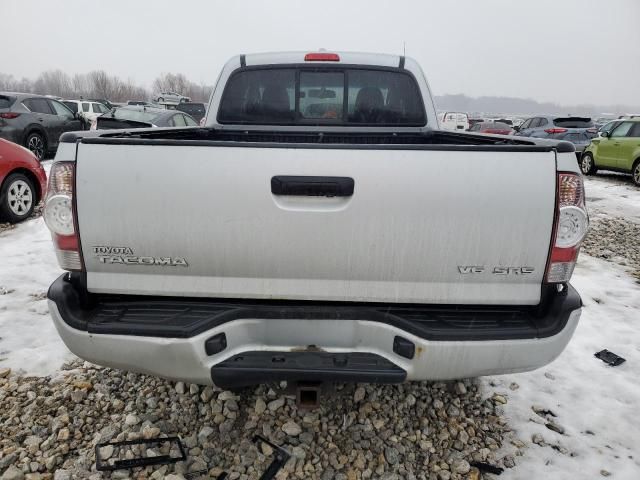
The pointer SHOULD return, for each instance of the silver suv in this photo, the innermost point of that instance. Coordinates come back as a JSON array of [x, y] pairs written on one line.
[[546, 126]]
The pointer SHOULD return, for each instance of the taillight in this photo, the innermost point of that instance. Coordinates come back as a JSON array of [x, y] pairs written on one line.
[[556, 130], [569, 229], [60, 215], [322, 57], [9, 115]]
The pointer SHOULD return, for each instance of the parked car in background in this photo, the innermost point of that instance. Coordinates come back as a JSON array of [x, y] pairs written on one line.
[[497, 128], [196, 110], [543, 126], [23, 182], [143, 117], [454, 121], [106, 103], [86, 110], [580, 140], [171, 97], [617, 150], [35, 121], [608, 127]]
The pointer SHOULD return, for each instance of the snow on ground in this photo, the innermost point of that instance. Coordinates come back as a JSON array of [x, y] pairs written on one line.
[[596, 404], [29, 342], [613, 194]]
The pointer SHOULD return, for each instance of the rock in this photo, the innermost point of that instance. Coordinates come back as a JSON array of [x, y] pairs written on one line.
[[499, 399], [260, 407], [131, 420], [226, 395], [514, 386], [63, 434], [291, 428], [460, 466], [61, 474], [555, 427], [274, 405], [266, 449], [391, 455], [508, 461], [207, 394], [5, 372], [205, 432], [359, 394], [605, 473], [106, 452], [410, 400], [150, 432], [538, 439], [51, 462], [83, 384], [444, 475], [474, 474], [12, 473], [180, 388], [8, 459], [460, 388], [174, 476], [194, 389]]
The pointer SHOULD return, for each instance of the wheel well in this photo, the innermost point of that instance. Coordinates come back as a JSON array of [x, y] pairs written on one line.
[[36, 128], [29, 174], [636, 162]]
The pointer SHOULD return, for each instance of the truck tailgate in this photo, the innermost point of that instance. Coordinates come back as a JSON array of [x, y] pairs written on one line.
[[422, 225]]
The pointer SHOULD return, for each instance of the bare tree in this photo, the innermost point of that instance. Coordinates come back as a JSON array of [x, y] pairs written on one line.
[[171, 82], [53, 82]]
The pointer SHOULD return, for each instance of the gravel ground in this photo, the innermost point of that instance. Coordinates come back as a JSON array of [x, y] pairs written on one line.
[[616, 240], [413, 431]]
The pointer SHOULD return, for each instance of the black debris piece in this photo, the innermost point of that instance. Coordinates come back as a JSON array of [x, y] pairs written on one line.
[[280, 458], [487, 467], [136, 453], [610, 358]]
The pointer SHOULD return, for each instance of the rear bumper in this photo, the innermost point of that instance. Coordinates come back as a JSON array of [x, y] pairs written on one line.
[[202, 341]]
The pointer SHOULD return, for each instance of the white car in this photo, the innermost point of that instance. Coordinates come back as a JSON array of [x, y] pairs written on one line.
[[171, 98], [86, 109], [307, 236], [454, 121]]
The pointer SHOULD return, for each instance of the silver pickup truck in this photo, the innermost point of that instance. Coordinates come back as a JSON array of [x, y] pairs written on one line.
[[319, 227]]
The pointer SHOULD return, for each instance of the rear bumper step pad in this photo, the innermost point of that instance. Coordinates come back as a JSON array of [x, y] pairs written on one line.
[[251, 368], [173, 317]]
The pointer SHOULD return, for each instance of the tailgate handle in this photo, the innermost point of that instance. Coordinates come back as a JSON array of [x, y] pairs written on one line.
[[311, 186]]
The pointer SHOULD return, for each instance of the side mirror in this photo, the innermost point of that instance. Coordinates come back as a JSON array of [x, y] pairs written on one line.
[[516, 128], [604, 134]]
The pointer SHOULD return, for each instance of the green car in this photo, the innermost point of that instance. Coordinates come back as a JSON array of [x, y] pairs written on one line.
[[617, 150]]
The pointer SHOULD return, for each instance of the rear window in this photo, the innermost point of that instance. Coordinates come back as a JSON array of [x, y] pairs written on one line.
[[6, 101], [194, 108], [289, 96], [135, 115], [73, 106], [573, 122]]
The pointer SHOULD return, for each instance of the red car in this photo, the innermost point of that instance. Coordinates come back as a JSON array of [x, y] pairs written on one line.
[[23, 182], [498, 128]]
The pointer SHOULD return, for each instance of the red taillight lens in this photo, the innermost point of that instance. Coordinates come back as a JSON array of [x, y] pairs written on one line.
[[569, 229], [9, 115], [556, 130], [60, 215], [322, 57]]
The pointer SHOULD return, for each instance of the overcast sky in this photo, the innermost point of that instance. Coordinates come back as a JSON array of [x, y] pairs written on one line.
[[565, 51]]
